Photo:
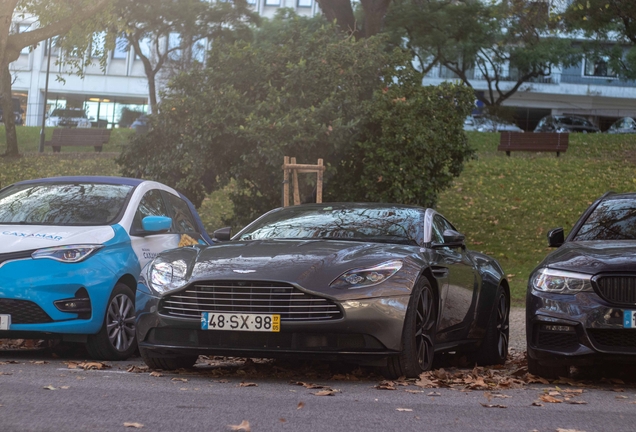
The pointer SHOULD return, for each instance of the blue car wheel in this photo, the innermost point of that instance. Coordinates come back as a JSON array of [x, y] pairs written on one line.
[[116, 340]]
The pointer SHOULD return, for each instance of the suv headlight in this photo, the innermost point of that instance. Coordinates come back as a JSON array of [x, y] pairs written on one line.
[[167, 276], [366, 277], [562, 282], [68, 254]]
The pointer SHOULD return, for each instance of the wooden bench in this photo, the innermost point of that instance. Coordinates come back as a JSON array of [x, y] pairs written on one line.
[[537, 142], [78, 137]]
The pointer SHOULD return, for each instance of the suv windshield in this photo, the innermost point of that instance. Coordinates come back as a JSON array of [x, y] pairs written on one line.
[[69, 113], [612, 220], [381, 224], [62, 204]]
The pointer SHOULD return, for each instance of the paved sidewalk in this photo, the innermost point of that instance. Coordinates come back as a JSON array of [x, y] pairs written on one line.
[[517, 329]]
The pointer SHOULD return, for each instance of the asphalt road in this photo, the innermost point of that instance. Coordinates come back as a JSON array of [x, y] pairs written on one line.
[[39, 392]]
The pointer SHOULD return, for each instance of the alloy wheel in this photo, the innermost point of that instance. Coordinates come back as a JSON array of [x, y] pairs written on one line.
[[503, 325], [424, 322], [121, 322]]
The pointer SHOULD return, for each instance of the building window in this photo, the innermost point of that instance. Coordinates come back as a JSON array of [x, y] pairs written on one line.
[[121, 48], [23, 28], [145, 45], [304, 3], [272, 2], [599, 67], [98, 44], [174, 46], [251, 2]]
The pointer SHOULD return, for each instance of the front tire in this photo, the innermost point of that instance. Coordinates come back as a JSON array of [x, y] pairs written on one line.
[[116, 339], [494, 347], [418, 336]]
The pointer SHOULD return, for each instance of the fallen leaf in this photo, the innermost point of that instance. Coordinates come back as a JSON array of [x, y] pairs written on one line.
[[576, 402], [325, 393], [180, 379], [434, 394], [282, 420], [94, 366], [537, 404], [155, 374], [404, 409], [301, 405], [310, 385], [549, 399], [493, 405], [40, 362], [621, 397], [49, 387], [65, 387], [386, 385], [568, 430], [244, 426], [133, 425], [414, 391], [248, 384]]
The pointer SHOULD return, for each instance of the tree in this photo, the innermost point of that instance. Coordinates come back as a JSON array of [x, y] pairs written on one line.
[[299, 88], [54, 17], [506, 44], [612, 25], [166, 34]]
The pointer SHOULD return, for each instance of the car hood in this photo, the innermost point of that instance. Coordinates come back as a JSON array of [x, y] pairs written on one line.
[[593, 257], [16, 238], [312, 264]]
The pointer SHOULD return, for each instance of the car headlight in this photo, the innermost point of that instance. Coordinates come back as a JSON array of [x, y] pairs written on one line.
[[562, 130], [562, 282], [366, 277], [67, 254], [168, 276]]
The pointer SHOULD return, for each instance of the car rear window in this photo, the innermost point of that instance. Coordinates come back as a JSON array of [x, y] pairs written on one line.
[[611, 220], [62, 204]]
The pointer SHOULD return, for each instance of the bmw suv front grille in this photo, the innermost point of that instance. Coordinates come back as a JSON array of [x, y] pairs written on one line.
[[617, 289], [253, 297]]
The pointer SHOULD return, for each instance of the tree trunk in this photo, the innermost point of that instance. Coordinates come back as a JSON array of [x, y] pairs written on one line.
[[374, 13], [342, 12], [7, 112]]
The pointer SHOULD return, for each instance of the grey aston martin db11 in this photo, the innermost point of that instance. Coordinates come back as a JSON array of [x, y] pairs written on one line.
[[581, 299], [380, 284]]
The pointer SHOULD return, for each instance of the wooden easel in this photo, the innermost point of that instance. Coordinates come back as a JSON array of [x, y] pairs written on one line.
[[291, 169]]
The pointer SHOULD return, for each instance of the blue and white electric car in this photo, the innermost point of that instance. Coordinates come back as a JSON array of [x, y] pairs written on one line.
[[71, 250]]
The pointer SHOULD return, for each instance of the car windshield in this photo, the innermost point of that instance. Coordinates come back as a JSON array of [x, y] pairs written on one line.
[[573, 121], [611, 220], [62, 203], [376, 224], [69, 113]]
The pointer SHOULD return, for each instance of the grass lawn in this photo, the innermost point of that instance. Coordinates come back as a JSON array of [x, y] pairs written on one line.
[[505, 205]]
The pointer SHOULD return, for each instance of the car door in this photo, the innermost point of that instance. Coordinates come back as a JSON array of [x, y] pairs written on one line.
[[146, 247], [462, 277]]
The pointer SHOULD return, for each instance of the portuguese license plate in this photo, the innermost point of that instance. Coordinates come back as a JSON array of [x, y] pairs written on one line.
[[5, 322], [240, 322], [629, 319]]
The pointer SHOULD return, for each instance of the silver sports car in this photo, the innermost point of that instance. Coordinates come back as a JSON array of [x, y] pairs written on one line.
[[382, 284]]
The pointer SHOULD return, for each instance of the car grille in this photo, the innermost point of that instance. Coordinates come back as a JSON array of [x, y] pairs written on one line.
[[23, 312], [249, 297], [619, 289], [614, 339]]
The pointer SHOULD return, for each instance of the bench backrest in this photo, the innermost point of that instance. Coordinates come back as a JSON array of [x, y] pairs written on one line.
[[550, 140]]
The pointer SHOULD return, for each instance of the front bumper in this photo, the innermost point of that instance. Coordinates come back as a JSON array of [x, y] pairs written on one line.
[[368, 328], [29, 288], [579, 329]]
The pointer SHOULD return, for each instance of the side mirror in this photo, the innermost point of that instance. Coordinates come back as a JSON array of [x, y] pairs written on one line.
[[222, 234], [556, 237], [156, 224], [451, 239]]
